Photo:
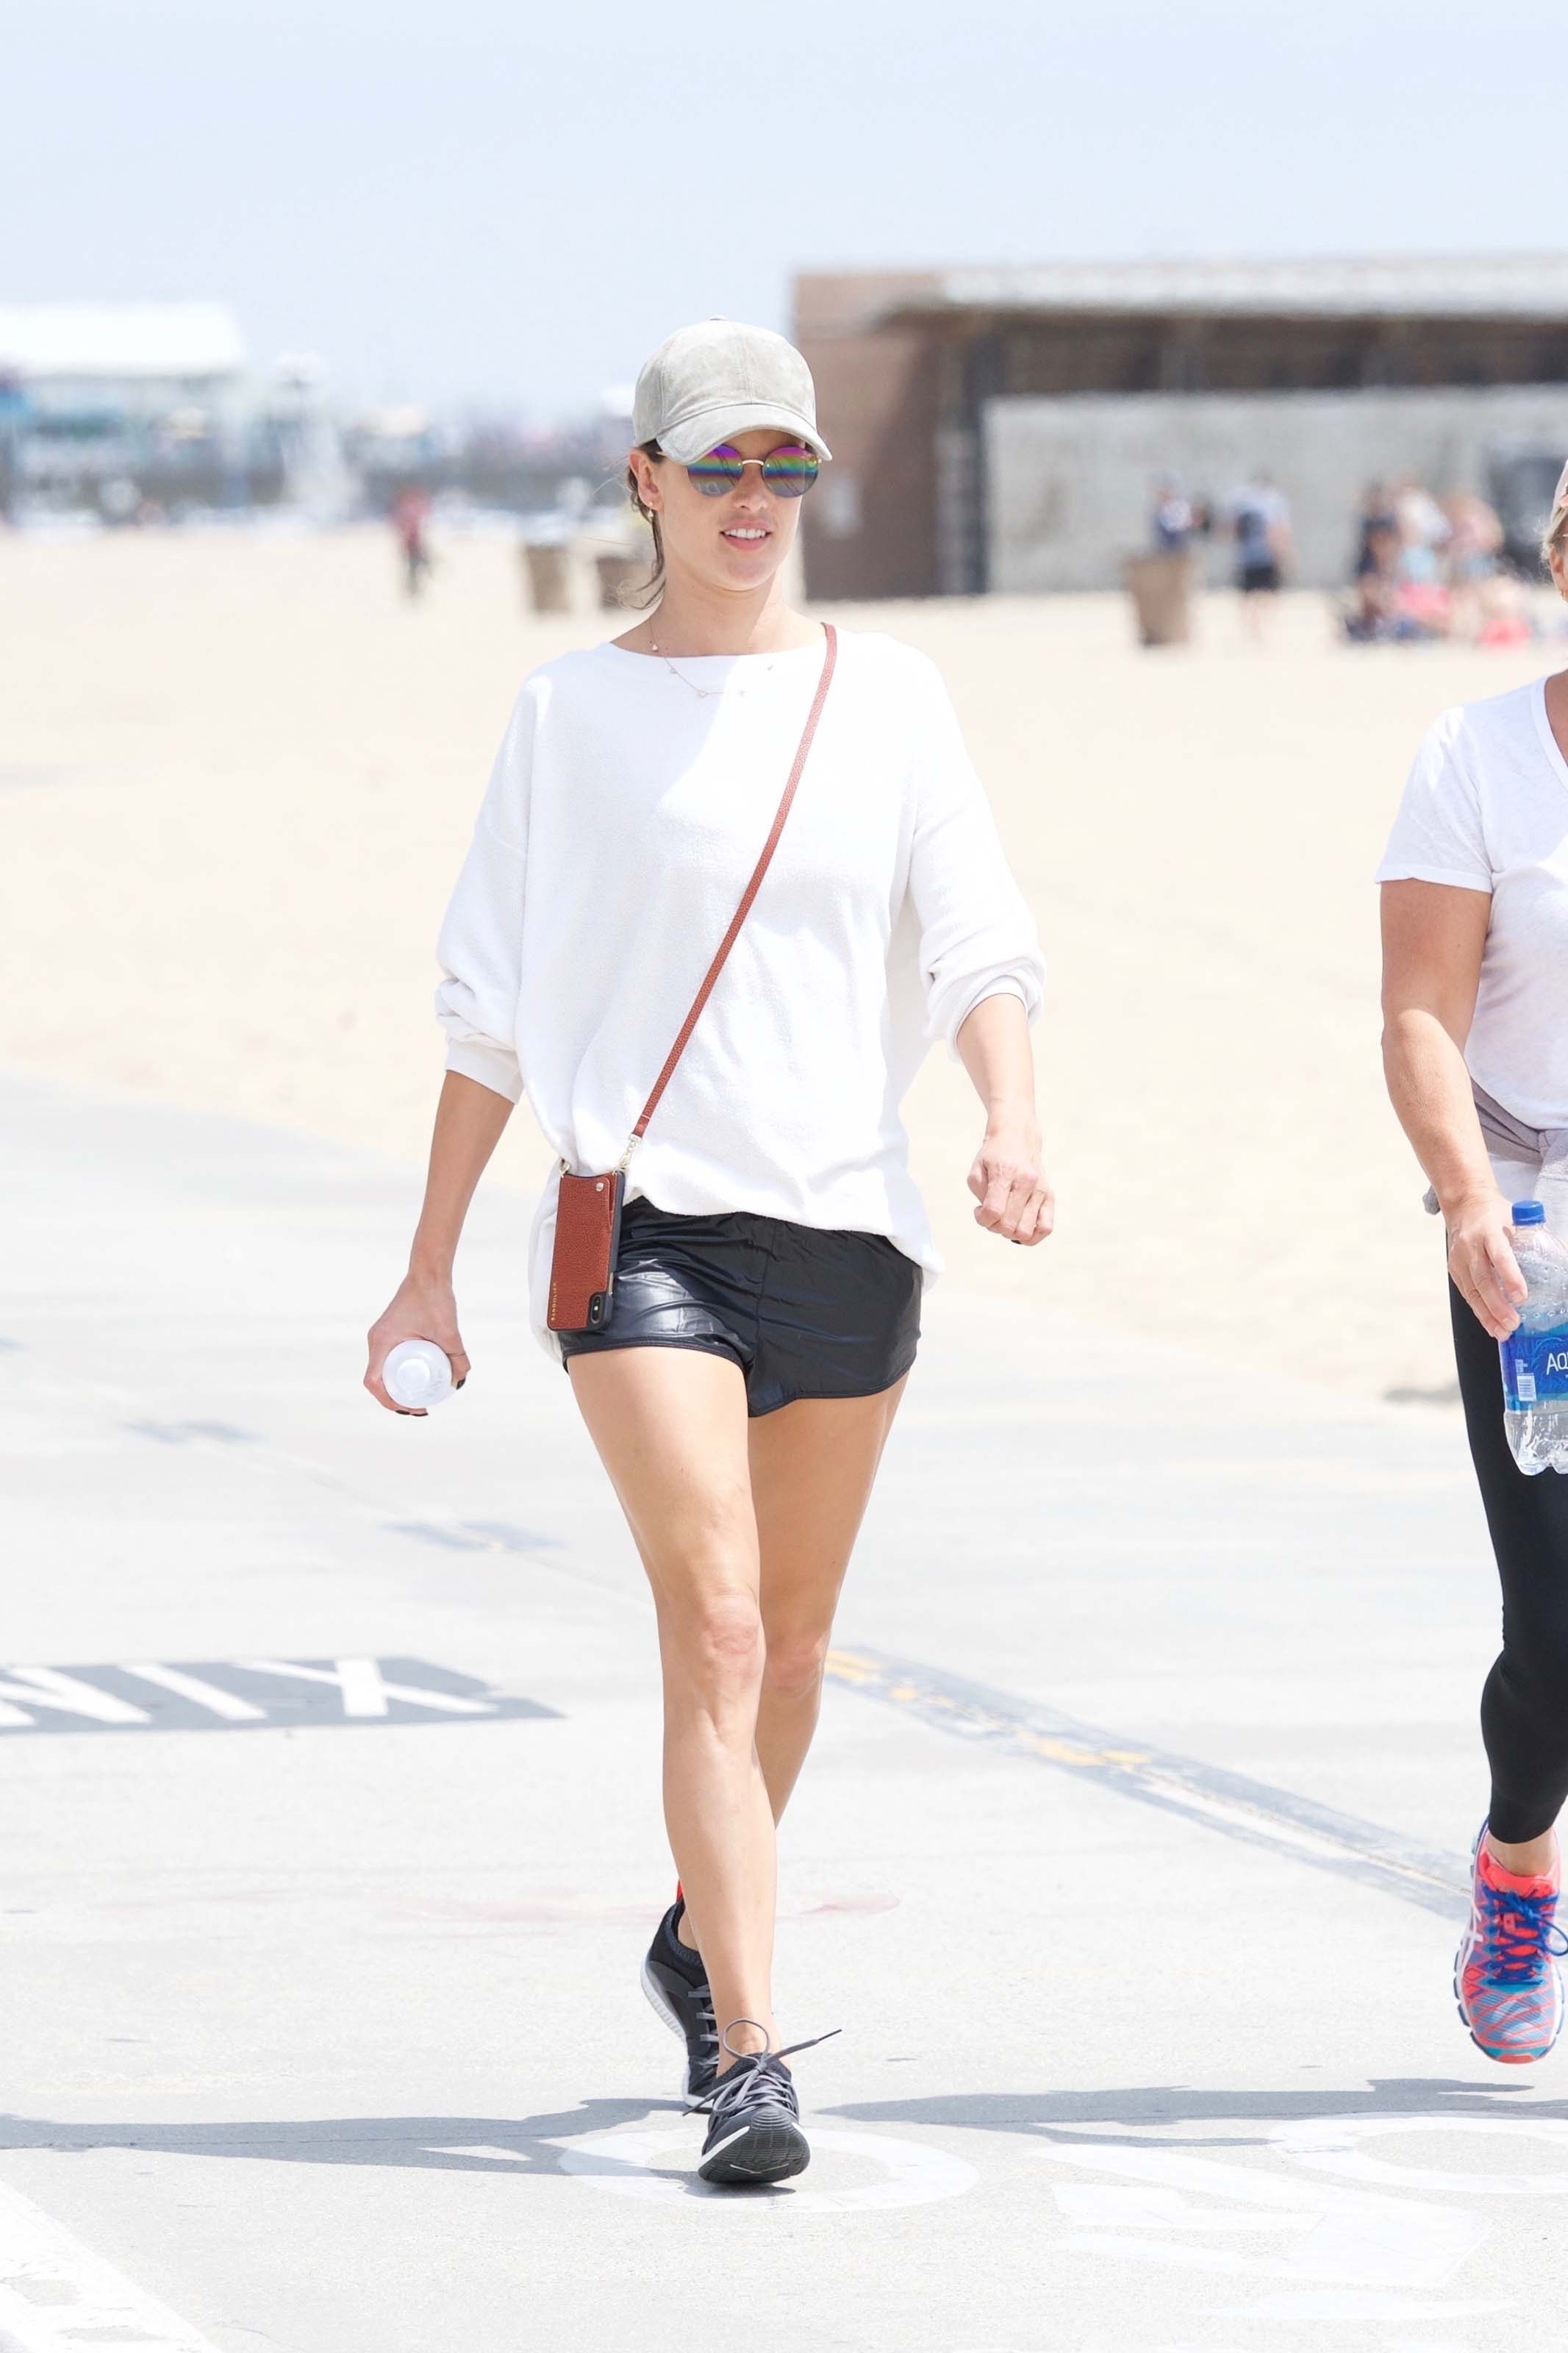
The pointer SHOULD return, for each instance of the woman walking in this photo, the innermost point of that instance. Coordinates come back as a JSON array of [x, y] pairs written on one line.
[[736, 1301], [1475, 1046]]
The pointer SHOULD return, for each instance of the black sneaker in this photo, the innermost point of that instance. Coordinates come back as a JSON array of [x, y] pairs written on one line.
[[755, 2136], [676, 1983]]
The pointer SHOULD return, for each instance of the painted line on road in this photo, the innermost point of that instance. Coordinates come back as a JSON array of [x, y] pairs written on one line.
[[1252, 1811], [249, 1695], [57, 2296]]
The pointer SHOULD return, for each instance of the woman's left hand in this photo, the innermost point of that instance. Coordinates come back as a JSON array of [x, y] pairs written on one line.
[[1009, 1182]]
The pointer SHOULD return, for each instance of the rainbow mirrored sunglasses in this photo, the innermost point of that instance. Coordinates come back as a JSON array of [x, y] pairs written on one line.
[[789, 471]]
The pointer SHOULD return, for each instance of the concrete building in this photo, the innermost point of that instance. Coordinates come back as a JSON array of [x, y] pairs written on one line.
[[1002, 428], [107, 392]]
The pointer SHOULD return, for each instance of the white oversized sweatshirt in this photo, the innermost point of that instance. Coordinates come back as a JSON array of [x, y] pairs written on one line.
[[624, 816]]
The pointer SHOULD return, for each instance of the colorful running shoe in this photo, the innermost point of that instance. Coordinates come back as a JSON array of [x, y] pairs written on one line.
[[675, 1984], [1506, 1979]]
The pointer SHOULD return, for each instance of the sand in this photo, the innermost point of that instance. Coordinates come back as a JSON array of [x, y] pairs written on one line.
[[238, 774]]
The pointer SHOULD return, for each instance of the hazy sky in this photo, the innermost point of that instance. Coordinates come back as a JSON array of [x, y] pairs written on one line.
[[510, 205]]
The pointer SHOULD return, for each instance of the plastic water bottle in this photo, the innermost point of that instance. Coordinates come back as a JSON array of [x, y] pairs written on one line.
[[419, 1373], [1535, 1355]]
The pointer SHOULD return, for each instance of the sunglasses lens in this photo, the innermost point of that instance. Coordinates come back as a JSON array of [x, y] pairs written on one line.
[[791, 470], [718, 472]]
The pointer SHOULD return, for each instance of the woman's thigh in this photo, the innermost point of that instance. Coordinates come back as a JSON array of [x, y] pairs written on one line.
[[670, 1427], [813, 1466]]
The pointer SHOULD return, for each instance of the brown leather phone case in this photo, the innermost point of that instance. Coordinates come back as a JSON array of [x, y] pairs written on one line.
[[587, 1237]]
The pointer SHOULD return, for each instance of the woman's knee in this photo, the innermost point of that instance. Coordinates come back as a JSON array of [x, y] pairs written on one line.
[[794, 1663], [713, 1639], [1535, 1621], [1529, 1682]]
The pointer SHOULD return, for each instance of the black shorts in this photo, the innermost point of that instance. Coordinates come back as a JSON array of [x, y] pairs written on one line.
[[1259, 578], [805, 1311]]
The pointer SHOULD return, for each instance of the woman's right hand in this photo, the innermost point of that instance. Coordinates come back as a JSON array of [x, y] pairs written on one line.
[[420, 1311], [1482, 1264]]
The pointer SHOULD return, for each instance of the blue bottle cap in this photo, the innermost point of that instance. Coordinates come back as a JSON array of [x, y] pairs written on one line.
[[1528, 1213]]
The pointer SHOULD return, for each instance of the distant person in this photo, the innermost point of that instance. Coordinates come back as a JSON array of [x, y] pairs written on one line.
[[1372, 612], [738, 1313], [1474, 540], [1260, 525], [1471, 558], [1474, 925], [1422, 596], [1422, 521], [1503, 616], [1378, 529], [410, 520], [1174, 522]]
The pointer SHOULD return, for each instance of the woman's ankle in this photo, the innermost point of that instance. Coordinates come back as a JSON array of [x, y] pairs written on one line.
[[1533, 1858], [745, 2037]]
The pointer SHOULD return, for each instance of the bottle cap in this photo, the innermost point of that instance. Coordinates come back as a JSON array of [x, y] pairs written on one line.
[[417, 1374], [1528, 1213]]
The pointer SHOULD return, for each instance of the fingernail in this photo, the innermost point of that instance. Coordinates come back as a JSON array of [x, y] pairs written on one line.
[[459, 1383]]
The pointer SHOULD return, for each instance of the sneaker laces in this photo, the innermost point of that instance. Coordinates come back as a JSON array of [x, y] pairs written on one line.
[[702, 2076], [701, 1993], [1521, 1933], [759, 2079], [708, 2034]]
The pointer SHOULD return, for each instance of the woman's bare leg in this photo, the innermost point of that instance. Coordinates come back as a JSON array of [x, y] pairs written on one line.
[[669, 1425], [813, 1465]]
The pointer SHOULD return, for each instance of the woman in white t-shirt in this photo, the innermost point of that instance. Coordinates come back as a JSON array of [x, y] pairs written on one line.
[[1475, 920], [765, 1305]]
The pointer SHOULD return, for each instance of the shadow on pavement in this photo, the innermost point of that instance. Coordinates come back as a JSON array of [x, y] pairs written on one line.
[[1054, 2114], [529, 2144], [444, 2144]]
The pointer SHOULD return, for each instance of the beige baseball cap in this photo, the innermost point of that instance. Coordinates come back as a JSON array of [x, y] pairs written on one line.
[[706, 384]]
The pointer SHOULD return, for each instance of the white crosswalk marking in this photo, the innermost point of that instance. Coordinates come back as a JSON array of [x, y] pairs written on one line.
[[1338, 2236], [365, 1689], [200, 1692], [34, 1687], [57, 2296]]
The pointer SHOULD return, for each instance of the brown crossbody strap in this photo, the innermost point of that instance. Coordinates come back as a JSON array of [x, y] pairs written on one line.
[[830, 657]]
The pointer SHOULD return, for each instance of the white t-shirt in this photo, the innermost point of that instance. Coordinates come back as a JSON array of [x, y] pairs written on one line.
[[625, 815], [1486, 809]]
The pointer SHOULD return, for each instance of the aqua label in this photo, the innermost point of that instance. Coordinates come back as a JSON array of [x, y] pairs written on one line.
[[1534, 1369]]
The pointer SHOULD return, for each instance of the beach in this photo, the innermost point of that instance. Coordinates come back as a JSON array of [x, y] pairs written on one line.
[[238, 772]]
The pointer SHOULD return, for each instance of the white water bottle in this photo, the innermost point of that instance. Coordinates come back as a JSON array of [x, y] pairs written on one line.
[[1535, 1353], [418, 1373]]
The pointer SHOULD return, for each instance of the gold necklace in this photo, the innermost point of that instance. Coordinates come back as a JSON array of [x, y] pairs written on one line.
[[703, 693]]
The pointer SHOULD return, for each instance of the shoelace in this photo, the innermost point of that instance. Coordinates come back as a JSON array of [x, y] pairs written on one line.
[[709, 2033], [759, 2079], [1521, 1934], [703, 1994]]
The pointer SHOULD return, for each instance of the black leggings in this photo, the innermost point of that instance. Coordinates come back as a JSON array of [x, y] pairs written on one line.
[[1524, 1705]]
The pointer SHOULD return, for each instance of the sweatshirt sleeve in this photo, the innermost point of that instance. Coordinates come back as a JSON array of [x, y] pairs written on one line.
[[978, 937], [479, 947]]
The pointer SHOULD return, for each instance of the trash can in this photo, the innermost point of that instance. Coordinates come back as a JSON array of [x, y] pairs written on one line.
[[1160, 587], [547, 577], [619, 577]]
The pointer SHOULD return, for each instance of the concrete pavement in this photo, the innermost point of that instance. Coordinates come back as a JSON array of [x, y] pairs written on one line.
[[1129, 1858]]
